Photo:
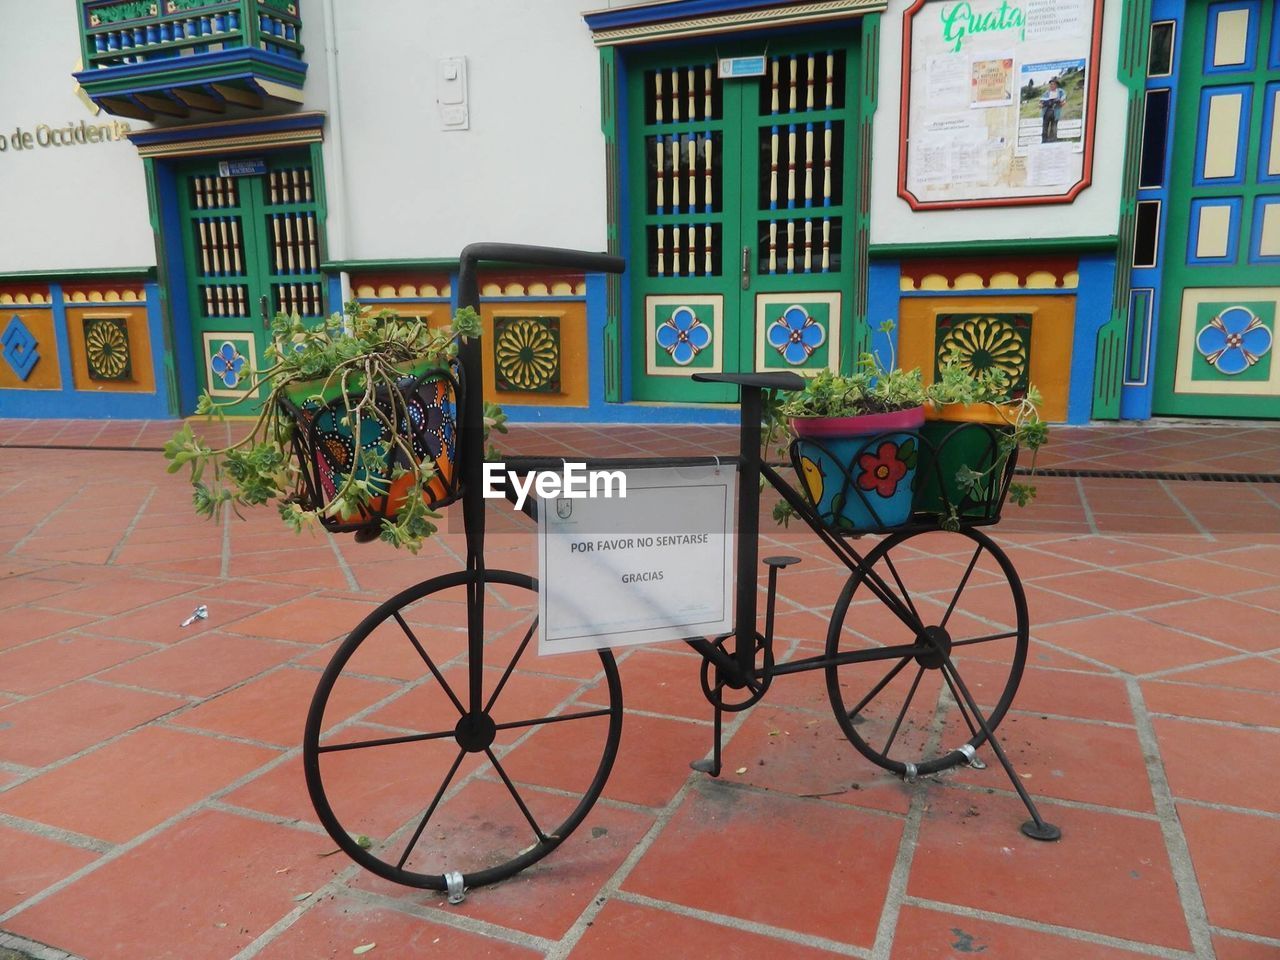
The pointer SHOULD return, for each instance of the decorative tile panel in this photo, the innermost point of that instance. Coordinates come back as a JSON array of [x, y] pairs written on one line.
[[230, 362], [19, 348], [797, 331], [983, 342], [684, 334], [1227, 340], [106, 346], [527, 354]]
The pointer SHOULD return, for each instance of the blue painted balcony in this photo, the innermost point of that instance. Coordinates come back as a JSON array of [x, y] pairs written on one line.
[[150, 59]]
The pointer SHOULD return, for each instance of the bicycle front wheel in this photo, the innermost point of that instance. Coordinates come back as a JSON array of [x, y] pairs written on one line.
[[905, 713], [414, 779]]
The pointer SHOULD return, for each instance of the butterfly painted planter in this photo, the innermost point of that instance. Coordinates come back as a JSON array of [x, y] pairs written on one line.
[[859, 473], [424, 408]]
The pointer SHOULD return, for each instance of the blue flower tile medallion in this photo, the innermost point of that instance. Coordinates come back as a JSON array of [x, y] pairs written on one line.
[[226, 364], [1234, 340], [796, 335], [683, 336], [19, 347]]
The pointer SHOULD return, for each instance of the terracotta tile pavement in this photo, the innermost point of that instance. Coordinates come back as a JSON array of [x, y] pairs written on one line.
[[153, 802]]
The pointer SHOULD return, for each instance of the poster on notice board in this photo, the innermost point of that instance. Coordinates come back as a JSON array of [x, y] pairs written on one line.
[[999, 98]]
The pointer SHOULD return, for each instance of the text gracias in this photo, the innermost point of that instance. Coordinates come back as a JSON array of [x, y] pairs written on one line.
[[632, 543]]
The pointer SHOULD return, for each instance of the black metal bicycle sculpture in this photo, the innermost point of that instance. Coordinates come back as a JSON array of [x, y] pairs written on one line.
[[390, 787]]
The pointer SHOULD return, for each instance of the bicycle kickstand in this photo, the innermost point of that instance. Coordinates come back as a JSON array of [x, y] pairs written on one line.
[[712, 766], [1037, 828]]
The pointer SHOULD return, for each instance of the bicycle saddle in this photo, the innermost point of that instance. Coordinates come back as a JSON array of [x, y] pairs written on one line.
[[782, 380]]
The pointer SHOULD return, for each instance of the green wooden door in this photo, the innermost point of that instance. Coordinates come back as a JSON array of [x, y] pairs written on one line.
[[1222, 256], [247, 238], [740, 216]]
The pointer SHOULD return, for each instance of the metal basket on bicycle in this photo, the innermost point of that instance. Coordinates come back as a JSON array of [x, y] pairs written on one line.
[[424, 406], [938, 474]]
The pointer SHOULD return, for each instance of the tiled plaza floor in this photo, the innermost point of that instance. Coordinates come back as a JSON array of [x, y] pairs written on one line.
[[152, 802]]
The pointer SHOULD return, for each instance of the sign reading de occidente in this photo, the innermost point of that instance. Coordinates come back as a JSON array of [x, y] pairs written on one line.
[[69, 134]]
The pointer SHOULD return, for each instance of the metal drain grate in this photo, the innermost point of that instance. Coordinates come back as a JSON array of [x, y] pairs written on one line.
[[1151, 475]]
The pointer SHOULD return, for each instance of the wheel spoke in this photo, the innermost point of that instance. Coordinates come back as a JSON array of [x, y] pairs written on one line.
[[444, 684], [973, 561], [955, 695], [422, 824], [385, 741], [986, 639], [903, 587], [511, 666], [903, 712], [542, 837], [559, 718], [888, 678]]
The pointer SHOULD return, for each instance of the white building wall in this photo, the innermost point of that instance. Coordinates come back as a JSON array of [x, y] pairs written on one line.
[[531, 167], [81, 206], [1095, 212]]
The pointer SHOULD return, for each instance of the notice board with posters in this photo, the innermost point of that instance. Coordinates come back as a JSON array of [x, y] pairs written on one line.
[[998, 101]]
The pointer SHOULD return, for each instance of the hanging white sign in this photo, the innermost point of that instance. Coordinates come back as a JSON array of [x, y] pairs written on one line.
[[654, 566]]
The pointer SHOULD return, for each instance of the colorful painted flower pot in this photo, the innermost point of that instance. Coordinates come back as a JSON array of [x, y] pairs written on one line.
[[953, 447], [859, 473], [427, 411]]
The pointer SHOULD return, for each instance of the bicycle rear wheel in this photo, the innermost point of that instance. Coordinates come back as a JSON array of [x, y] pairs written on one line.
[[417, 785], [968, 601]]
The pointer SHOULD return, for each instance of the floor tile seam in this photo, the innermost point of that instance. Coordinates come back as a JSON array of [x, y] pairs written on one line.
[[1084, 505], [1071, 717], [128, 531], [277, 820], [33, 948], [1184, 632], [96, 675], [1038, 926], [452, 917], [119, 850], [1151, 815], [1181, 800], [72, 497], [1177, 848], [1164, 486], [196, 583], [1247, 937], [733, 923], [163, 724], [1219, 662], [224, 560], [610, 888], [19, 769], [63, 835], [1214, 722]]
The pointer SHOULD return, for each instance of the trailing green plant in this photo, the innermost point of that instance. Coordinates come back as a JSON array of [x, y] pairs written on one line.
[[364, 355]]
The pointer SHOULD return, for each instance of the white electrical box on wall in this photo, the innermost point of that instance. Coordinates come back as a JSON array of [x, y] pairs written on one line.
[[451, 93]]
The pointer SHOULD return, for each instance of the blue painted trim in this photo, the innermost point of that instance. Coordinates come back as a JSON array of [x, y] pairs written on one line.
[[1093, 310], [1273, 58], [1139, 330], [1233, 231], [232, 55], [155, 330], [1014, 292], [1242, 135], [597, 317], [184, 362], [335, 293], [626, 333], [205, 131], [1270, 107], [884, 278], [61, 336], [671, 10], [608, 413], [582, 298], [67, 402], [1211, 36], [1255, 244]]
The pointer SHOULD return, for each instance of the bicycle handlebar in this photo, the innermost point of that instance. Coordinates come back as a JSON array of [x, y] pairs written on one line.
[[534, 256]]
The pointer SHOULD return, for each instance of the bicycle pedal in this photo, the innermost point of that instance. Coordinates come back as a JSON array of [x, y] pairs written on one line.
[[780, 562]]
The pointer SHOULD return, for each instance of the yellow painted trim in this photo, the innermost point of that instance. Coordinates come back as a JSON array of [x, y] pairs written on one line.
[[934, 281], [1213, 232], [967, 281], [1004, 281], [239, 144], [731, 22], [1071, 280], [1222, 139], [1192, 297], [1273, 158], [1231, 44], [1269, 241]]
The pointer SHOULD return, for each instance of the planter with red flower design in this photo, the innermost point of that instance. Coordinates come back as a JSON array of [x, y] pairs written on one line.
[[859, 473]]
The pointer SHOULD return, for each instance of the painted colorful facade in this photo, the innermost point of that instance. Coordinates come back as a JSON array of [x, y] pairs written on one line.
[[1084, 194]]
